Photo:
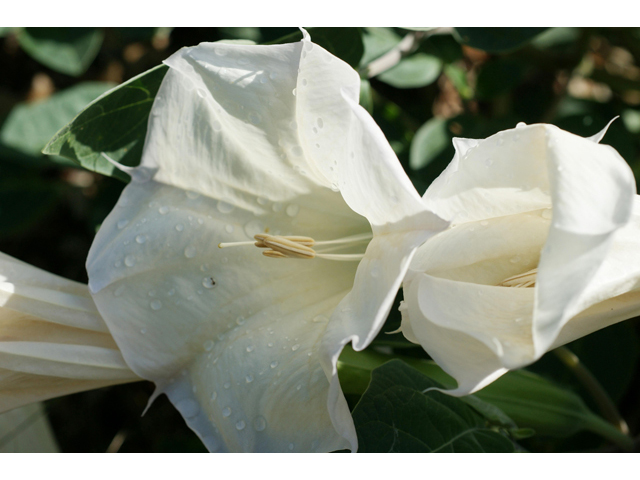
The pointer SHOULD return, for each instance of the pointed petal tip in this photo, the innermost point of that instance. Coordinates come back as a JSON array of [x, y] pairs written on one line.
[[600, 135]]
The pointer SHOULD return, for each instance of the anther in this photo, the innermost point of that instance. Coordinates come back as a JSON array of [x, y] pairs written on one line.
[[288, 247]]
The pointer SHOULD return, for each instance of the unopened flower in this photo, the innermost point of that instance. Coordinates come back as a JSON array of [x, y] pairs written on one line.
[[268, 225], [544, 249]]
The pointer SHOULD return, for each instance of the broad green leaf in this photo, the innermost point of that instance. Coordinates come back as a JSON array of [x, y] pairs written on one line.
[[496, 39], [66, 50], [527, 399], [394, 415], [430, 140], [344, 43], [29, 126], [417, 70], [115, 124], [556, 37], [377, 42], [4, 31]]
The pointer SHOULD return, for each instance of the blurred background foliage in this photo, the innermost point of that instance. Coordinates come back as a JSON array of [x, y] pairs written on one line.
[[423, 86]]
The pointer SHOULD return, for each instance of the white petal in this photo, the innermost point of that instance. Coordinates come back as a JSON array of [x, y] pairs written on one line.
[[502, 175], [593, 192], [222, 335], [472, 362]]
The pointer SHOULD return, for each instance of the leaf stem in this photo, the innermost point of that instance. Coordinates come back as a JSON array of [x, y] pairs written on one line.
[[602, 399]]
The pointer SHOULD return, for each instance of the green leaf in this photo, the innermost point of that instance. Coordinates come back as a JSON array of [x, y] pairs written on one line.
[[344, 43], [378, 41], [418, 70], [430, 140], [66, 50], [115, 123], [458, 77], [394, 415], [496, 40], [29, 126]]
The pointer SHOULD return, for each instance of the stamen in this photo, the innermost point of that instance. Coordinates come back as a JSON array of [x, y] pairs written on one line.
[[294, 246], [523, 280]]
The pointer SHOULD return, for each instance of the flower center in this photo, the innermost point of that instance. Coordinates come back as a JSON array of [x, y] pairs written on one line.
[[291, 246], [523, 280]]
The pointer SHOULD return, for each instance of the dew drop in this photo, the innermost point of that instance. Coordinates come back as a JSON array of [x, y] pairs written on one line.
[[129, 260], [488, 162], [200, 221], [141, 239], [292, 210], [188, 408], [163, 210], [214, 395], [171, 292], [259, 423], [248, 378], [191, 195], [270, 344], [320, 319], [240, 320], [226, 411], [546, 213], [208, 282], [291, 446], [294, 91], [320, 122], [179, 227], [190, 252], [262, 201], [251, 348], [304, 82], [295, 347], [200, 93], [273, 76], [119, 291], [228, 228], [227, 385], [156, 305], [518, 320], [216, 125], [297, 151], [273, 364], [143, 331], [521, 124], [122, 224], [240, 425], [277, 207], [208, 345]]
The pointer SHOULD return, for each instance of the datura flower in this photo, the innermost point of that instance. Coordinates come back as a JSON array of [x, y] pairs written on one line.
[[268, 225], [52, 339], [544, 249]]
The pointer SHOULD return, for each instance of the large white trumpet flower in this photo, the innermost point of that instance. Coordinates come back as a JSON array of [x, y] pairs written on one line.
[[268, 225], [544, 249]]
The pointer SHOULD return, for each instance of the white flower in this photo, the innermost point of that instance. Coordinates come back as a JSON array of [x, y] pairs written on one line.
[[267, 141], [539, 209], [52, 339]]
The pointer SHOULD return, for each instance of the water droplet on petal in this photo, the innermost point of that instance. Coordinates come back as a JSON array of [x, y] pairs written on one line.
[[546, 213], [226, 411], [294, 91], [191, 195], [228, 228], [240, 425], [521, 124], [163, 210], [259, 423], [291, 446], [141, 239], [274, 364], [143, 331], [320, 122], [297, 151], [320, 319], [190, 252], [262, 200], [179, 227], [216, 125], [122, 224], [188, 408], [208, 282], [248, 378], [251, 348], [227, 385], [292, 210], [253, 228], [156, 305], [277, 207], [214, 395], [208, 345], [240, 320], [295, 347], [129, 260], [201, 93]]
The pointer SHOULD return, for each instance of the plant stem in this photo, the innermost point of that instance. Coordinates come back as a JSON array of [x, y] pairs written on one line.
[[602, 399]]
